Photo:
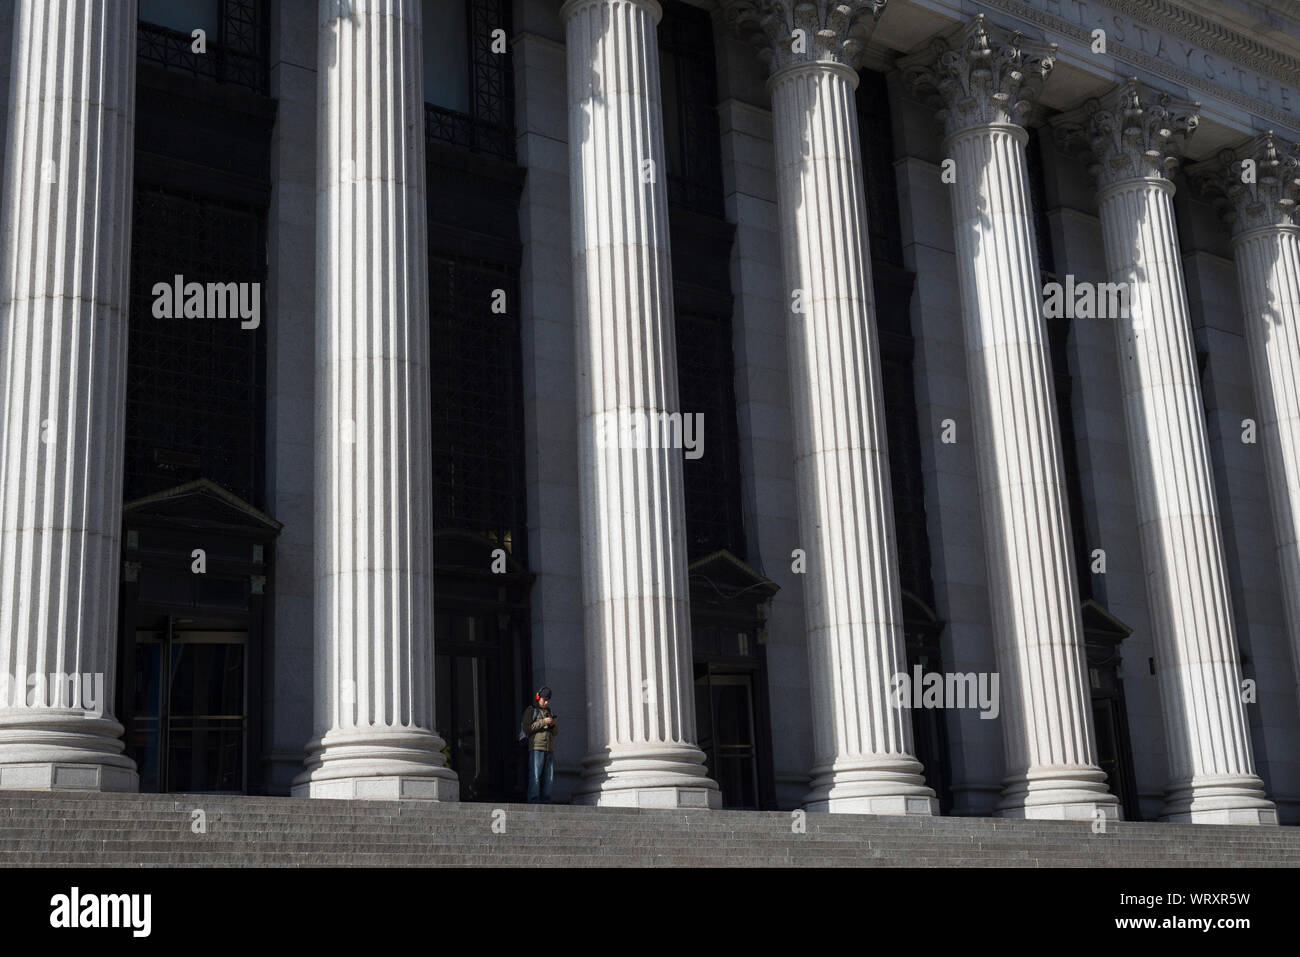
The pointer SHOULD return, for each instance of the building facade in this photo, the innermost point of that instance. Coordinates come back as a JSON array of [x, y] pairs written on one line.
[[863, 406]]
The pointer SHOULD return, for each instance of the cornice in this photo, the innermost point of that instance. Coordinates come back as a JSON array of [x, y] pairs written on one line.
[[1163, 16]]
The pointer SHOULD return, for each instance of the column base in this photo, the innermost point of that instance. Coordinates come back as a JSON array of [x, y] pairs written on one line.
[[891, 785], [1223, 799], [1059, 794], [63, 750], [654, 776], [389, 764]]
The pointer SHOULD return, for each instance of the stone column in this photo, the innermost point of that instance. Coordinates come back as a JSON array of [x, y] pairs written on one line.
[[1134, 136], [863, 760], [1266, 243], [374, 509], [636, 611], [63, 323], [986, 80]]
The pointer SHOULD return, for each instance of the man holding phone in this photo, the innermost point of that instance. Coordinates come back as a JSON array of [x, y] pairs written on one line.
[[538, 725]]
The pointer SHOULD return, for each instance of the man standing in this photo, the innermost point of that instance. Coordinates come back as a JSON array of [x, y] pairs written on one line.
[[538, 724]]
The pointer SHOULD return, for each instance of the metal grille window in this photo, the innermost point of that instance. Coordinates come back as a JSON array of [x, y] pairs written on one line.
[[236, 51], [705, 373], [906, 481], [688, 82], [487, 123], [876, 140], [1038, 202], [195, 387], [477, 401]]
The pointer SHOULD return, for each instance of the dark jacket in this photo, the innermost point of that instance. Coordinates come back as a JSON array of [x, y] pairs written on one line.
[[541, 736]]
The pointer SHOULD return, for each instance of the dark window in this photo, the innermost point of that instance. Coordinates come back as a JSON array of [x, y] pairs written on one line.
[[706, 372], [194, 396], [446, 54], [906, 480], [1058, 334], [237, 32], [1038, 202], [476, 402], [875, 136], [690, 107], [470, 97]]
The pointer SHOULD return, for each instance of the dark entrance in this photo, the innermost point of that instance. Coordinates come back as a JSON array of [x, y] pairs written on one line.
[[191, 648], [921, 630], [480, 664], [190, 706], [731, 706], [1103, 633]]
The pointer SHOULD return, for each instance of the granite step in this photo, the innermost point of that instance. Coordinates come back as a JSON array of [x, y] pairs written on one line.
[[71, 829]]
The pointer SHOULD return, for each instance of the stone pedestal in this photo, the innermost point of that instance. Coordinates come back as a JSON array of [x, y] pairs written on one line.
[[374, 511], [1134, 136], [985, 80], [63, 317], [636, 612], [863, 760]]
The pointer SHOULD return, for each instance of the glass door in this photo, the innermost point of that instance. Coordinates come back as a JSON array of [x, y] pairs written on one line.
[[188, 723], [468, 701], [725, 716]]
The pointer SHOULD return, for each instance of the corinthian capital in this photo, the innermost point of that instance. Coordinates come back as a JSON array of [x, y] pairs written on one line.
[[1255, 185], [980, 74], [794, 32], [1130, 133]]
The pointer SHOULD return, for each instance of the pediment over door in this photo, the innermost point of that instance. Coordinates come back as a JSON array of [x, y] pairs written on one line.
[[201, 505]]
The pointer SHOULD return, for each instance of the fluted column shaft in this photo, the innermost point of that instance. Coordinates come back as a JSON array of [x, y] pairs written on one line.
[[1135, 135], [1212, 772], [1268, 277], [863, 741], [1257, 187], [374, 552], [1051, 757], [1047, 729], [63, 326], [636, 613]]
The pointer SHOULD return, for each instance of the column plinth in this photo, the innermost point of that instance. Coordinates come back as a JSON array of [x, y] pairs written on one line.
[[66, 224], [984, 81], [374, 510], [863, 758], [636, 613], [1134, 136]]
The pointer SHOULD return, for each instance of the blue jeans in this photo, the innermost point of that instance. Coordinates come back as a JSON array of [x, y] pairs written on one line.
[[541, 770]]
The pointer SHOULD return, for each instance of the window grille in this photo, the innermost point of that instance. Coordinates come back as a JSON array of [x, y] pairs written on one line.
[[876, 141], [706, 374], [489, 127], [236, 56], [692, 148], [195, 387], [477, 402]]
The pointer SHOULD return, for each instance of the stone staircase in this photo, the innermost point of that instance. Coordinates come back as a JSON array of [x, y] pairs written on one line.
[[52, 829]]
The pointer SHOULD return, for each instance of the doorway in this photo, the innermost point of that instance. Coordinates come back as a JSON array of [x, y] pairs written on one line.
[[189, 707], [726, 718], [468, 697]]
